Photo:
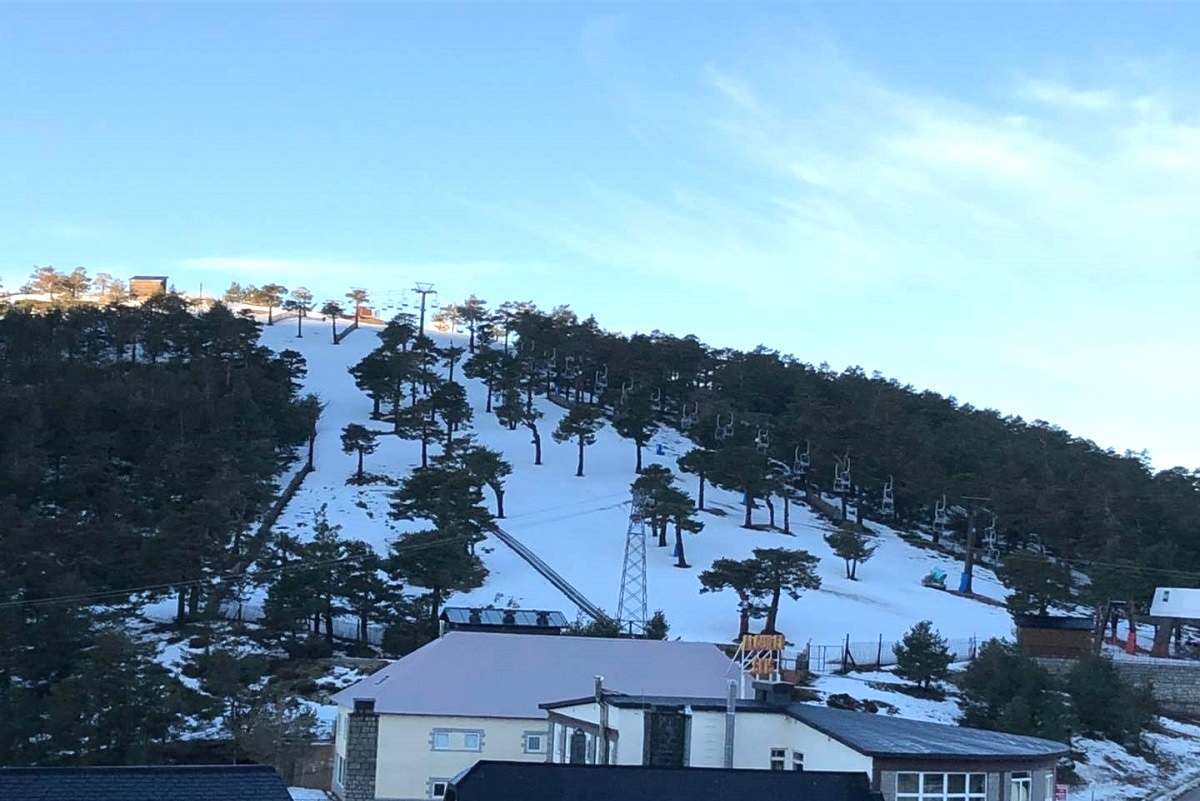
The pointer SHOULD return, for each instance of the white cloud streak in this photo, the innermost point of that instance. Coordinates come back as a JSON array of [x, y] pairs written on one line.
[[1059, 222]]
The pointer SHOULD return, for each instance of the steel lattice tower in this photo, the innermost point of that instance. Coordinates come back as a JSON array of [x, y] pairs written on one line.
[[631, 611]]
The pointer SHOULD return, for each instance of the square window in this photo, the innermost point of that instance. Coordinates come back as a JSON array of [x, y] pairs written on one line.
[[978, 783], [534, 744], [472, 742], [441, 741], [956, 783], [437, 789], [778, 755], [908, 783], [933, 784]]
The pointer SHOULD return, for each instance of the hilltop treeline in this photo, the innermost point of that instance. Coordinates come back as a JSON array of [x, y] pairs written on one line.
[[751, 413]]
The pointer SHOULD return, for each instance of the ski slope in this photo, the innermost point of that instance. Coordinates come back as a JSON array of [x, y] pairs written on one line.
[[578, 525]]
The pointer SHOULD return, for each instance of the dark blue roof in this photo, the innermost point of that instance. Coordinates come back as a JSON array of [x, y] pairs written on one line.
[[544, 781], [495, 617], [158, 783], [887, 736]]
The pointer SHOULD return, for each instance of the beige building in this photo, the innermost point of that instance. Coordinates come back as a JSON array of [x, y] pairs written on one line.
[[905, 760], [405, 732]]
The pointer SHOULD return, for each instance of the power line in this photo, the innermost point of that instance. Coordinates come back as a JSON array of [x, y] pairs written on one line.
[[100, 595]]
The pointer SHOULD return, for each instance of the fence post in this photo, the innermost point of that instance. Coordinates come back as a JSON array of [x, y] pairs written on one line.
[[879, 653]]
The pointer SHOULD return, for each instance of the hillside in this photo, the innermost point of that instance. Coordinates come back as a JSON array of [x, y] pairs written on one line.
[[578, 525]]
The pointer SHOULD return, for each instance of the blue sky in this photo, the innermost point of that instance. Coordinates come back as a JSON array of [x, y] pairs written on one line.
[[994, 201]]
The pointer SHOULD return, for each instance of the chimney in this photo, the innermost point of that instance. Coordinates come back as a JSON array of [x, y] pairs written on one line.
[[775, 693], [730, 718], [602, 737], [362, 751]]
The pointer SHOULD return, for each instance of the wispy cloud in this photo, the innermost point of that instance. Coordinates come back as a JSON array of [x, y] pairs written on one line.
[[737, 91], [1061, 96], [1057, 221]]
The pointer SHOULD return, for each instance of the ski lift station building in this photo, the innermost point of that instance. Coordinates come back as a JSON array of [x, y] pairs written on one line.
[[1177, 602]]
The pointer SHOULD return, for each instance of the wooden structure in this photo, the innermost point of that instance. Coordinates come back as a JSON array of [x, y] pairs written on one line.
[[1055, 636], [144, 286]]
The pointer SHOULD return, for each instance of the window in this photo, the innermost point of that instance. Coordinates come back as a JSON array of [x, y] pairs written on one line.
[[1020, 787], [341, 727], [797, 761], [456, 740], [941, 787], [339, 770], [778, 756], [437, 788], [1050, 788], [534, 742]]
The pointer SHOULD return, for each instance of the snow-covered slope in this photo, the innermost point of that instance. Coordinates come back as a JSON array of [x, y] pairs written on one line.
[[578, 525]]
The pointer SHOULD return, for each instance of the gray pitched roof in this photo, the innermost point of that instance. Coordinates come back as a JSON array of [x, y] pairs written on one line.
[[157, 783], [480, 674], [886, 736]]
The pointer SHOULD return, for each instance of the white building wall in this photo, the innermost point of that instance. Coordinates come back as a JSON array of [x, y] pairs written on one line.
[[407, 762], [755, 734]]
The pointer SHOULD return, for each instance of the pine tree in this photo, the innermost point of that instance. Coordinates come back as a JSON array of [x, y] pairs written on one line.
[[580, 424], [634, 419], [358, 439], [738, 576], [782, 571], [852, 546], [1036, 583], [359, 297], [657, 627], [271, 296], [922, 656], [489, 467], [1005, 690], [449, 402], [512, 412], [700, 462], [488, 365], [333, 310], [438, 563], [474, 314]]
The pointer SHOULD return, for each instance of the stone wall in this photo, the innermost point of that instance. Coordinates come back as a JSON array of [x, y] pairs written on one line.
[[1176, 684], [362, 751]]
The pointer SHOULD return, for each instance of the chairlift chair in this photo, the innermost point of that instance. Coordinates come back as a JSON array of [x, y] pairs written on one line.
[[841, 475], [887, 506], [687, 418], [762, 440], [941, 518]]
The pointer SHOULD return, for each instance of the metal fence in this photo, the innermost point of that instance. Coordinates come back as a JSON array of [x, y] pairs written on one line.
[[867, 655], [344, 628]]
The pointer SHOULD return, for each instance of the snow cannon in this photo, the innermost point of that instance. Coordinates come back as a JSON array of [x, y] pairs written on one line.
[[935, 578]]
